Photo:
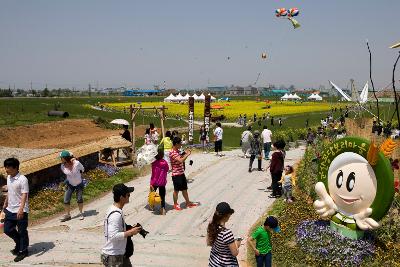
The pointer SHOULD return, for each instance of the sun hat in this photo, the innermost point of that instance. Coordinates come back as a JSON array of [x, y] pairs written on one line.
[[65, 153], [223, 208], [272, 222]]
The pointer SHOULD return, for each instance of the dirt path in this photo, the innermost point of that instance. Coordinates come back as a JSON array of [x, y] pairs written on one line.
[[177, 239]]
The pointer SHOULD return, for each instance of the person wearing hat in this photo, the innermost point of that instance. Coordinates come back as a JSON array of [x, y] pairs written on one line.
[[255, 150], [224, 247], [262, 237], [115, 232], [73, 169]]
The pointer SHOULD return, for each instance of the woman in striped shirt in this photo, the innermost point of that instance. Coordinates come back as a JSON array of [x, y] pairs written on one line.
[[224, 247]]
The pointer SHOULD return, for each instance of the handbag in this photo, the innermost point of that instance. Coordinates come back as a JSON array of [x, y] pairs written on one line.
[[154, 199]]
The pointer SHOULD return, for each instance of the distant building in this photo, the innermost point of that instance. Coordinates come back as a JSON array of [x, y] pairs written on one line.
[[138, 92], [217, 90], [274, 92]]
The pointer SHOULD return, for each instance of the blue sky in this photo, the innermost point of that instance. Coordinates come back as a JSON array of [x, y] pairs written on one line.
[[187, 43]]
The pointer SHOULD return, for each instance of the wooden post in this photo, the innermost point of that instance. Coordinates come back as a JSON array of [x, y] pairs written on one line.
[[162, 115], [134, 110], [191, 120]]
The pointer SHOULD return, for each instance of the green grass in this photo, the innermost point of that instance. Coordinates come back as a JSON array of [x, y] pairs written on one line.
[[93, 190], [23, 111]]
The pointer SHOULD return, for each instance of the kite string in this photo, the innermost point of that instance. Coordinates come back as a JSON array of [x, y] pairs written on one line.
[[372, 82], [395, 94]]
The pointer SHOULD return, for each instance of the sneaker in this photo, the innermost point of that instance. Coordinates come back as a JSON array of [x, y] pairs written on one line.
[[14, 251], [273, 196], [21, 256], [65, 218], [249, 169], [177, 207], [269, 187], [81, 217], [192, 205]]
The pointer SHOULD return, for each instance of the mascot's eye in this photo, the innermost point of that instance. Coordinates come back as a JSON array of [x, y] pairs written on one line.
[[339, 179], [350, 181]]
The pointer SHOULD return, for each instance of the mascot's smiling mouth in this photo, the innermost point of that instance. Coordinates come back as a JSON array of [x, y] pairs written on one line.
[[348, 200]]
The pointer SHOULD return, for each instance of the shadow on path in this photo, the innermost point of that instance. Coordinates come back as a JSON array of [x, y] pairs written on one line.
[[40, 248]]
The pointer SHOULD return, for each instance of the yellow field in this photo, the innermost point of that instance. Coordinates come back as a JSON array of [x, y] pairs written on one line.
[[232, 109]]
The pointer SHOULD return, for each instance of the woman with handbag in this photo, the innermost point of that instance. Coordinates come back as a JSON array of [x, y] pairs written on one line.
[[158, 180]]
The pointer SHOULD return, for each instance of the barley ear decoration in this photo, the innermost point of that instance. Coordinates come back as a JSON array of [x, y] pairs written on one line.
[[372, 155], [388, 147]]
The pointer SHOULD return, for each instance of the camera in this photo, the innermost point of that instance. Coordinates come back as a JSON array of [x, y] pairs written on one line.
[[142, 231]]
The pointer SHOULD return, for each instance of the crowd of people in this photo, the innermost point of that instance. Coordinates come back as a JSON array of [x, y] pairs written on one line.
[[170, 158]]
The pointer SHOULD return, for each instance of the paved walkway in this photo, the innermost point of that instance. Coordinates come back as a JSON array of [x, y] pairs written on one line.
[[177, 239]]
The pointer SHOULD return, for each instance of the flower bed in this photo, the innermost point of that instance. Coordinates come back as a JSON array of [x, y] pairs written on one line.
[[48, 199], [305, 240]]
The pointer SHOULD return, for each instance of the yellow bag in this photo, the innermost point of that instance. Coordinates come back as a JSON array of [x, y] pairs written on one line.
[[154, 199]]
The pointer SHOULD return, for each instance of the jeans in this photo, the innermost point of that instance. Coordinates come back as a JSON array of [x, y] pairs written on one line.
[[70, 190], [267, 149], [264, 260], [276, 188], [17, 230], [252, 158], [287, 191]]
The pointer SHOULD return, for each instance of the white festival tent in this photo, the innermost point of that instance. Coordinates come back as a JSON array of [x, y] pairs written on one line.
[[179, 97], [312, 96], [284, 97], [170, 98], [290, 96], [186, 97], [202, 97], [295, 96], [195, 96], [318, 97]]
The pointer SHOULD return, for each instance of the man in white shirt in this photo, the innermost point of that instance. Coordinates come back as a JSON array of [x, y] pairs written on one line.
[[115, 233], [266, 136], [218, 139], [16, 209]]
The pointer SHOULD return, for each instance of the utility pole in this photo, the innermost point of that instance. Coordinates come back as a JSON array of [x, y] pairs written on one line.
[[90, 90], [31, 86]]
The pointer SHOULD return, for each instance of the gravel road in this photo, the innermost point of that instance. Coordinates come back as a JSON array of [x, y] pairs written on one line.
[[177, 239]]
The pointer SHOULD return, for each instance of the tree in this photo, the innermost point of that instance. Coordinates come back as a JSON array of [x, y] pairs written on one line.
[[46, 92]]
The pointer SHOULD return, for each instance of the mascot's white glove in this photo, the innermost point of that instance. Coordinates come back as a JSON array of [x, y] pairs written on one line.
[[324, 206], [364, 222]]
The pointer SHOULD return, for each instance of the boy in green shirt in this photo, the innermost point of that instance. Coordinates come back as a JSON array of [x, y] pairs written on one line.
[[262, 236]]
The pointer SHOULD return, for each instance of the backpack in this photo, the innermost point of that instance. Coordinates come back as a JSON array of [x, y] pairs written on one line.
[[129, 244]]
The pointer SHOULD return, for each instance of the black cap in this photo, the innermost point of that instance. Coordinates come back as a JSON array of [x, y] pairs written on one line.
[[272, 222], [122, 190], [224, 208]]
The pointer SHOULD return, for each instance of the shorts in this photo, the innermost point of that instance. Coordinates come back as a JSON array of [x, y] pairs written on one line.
[[179, 182], [70, 190]]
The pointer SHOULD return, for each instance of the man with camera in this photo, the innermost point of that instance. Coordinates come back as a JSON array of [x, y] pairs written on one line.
[[118, 245]]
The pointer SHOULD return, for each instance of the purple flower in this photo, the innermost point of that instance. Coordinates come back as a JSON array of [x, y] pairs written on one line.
[[316, 238]]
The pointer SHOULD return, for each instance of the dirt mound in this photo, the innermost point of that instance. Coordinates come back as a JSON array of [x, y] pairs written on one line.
[[57, 134]]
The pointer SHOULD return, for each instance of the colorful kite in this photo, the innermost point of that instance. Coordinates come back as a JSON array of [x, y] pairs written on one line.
[[292, 12]]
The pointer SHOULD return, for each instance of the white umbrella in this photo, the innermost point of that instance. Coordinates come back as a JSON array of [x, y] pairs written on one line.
[[120, 122]]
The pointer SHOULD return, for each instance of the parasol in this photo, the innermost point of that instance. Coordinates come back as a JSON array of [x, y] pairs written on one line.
[[120, 122]]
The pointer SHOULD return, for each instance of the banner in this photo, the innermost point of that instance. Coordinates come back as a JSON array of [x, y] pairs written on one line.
[[207, 115], [191, 119]]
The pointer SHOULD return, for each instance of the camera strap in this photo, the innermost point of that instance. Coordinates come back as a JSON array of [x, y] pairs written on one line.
[[106, 221]]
